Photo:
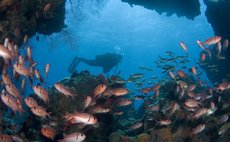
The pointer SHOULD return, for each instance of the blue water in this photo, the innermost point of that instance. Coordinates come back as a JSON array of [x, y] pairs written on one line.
[[141, 35]]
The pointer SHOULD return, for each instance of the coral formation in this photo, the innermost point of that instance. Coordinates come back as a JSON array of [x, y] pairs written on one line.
[[143, 138], [162, 135], [24, 17]]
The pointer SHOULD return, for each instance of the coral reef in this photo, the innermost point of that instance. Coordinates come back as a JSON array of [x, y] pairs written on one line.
[[143, 138], [162, 135], [120, 128], [83, 84], [24, 17]]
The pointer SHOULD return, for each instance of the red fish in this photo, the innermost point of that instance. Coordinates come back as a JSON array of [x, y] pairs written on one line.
[[226, 44], [181, 73], [200, 44], [191, 94], [212, 40], [99, 109], [11, 88], [191, 88], [184, 47], [191, 103], [47, 7], [48, 132], [135, 126], [74, 137], [153, 108], [47, 68], [199, 113], [87, 102], [124, 102], [193, 69], [65, 90], [223, 86], [202, 57], [156, 87], [5, 53], [164, 122], [38, 75], [120, 91], [41, 93], [99, 90], [30, 102], [21, 69], [40, 111], [23, 85], [174, 107], [199, 128], [172, 75], [6, 79], [78, 117], [12, 103]]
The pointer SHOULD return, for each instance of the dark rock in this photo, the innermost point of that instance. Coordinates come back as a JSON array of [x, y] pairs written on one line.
[[188, 8], [218, 15]]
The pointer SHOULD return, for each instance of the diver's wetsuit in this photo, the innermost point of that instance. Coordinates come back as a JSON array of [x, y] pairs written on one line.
[[106, 61]]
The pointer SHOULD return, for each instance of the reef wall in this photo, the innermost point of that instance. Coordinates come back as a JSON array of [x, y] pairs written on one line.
[[25, 17], [188, 8], [218, 16]]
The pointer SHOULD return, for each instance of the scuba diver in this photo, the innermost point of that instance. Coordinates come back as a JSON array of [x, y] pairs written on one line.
[[106, 61]]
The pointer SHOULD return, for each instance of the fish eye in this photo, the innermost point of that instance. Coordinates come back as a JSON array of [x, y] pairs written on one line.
[[82, 135]]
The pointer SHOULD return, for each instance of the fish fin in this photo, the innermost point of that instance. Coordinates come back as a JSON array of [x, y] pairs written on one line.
[[46, 74], [73, 64], [67, 116]]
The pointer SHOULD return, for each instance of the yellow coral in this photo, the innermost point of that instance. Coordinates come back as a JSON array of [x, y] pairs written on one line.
[[143, 138], [166, 134], [162, 135]]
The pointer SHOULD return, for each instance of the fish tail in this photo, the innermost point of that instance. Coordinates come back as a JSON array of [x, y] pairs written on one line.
[[67, 116], [46, 75], [73, 65], [73, 96], [187, 54]]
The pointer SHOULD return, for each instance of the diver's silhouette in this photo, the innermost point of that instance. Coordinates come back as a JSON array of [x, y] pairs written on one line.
[[106, 61]]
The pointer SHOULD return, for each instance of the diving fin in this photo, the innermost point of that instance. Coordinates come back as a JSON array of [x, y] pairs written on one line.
[[73, 64]]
